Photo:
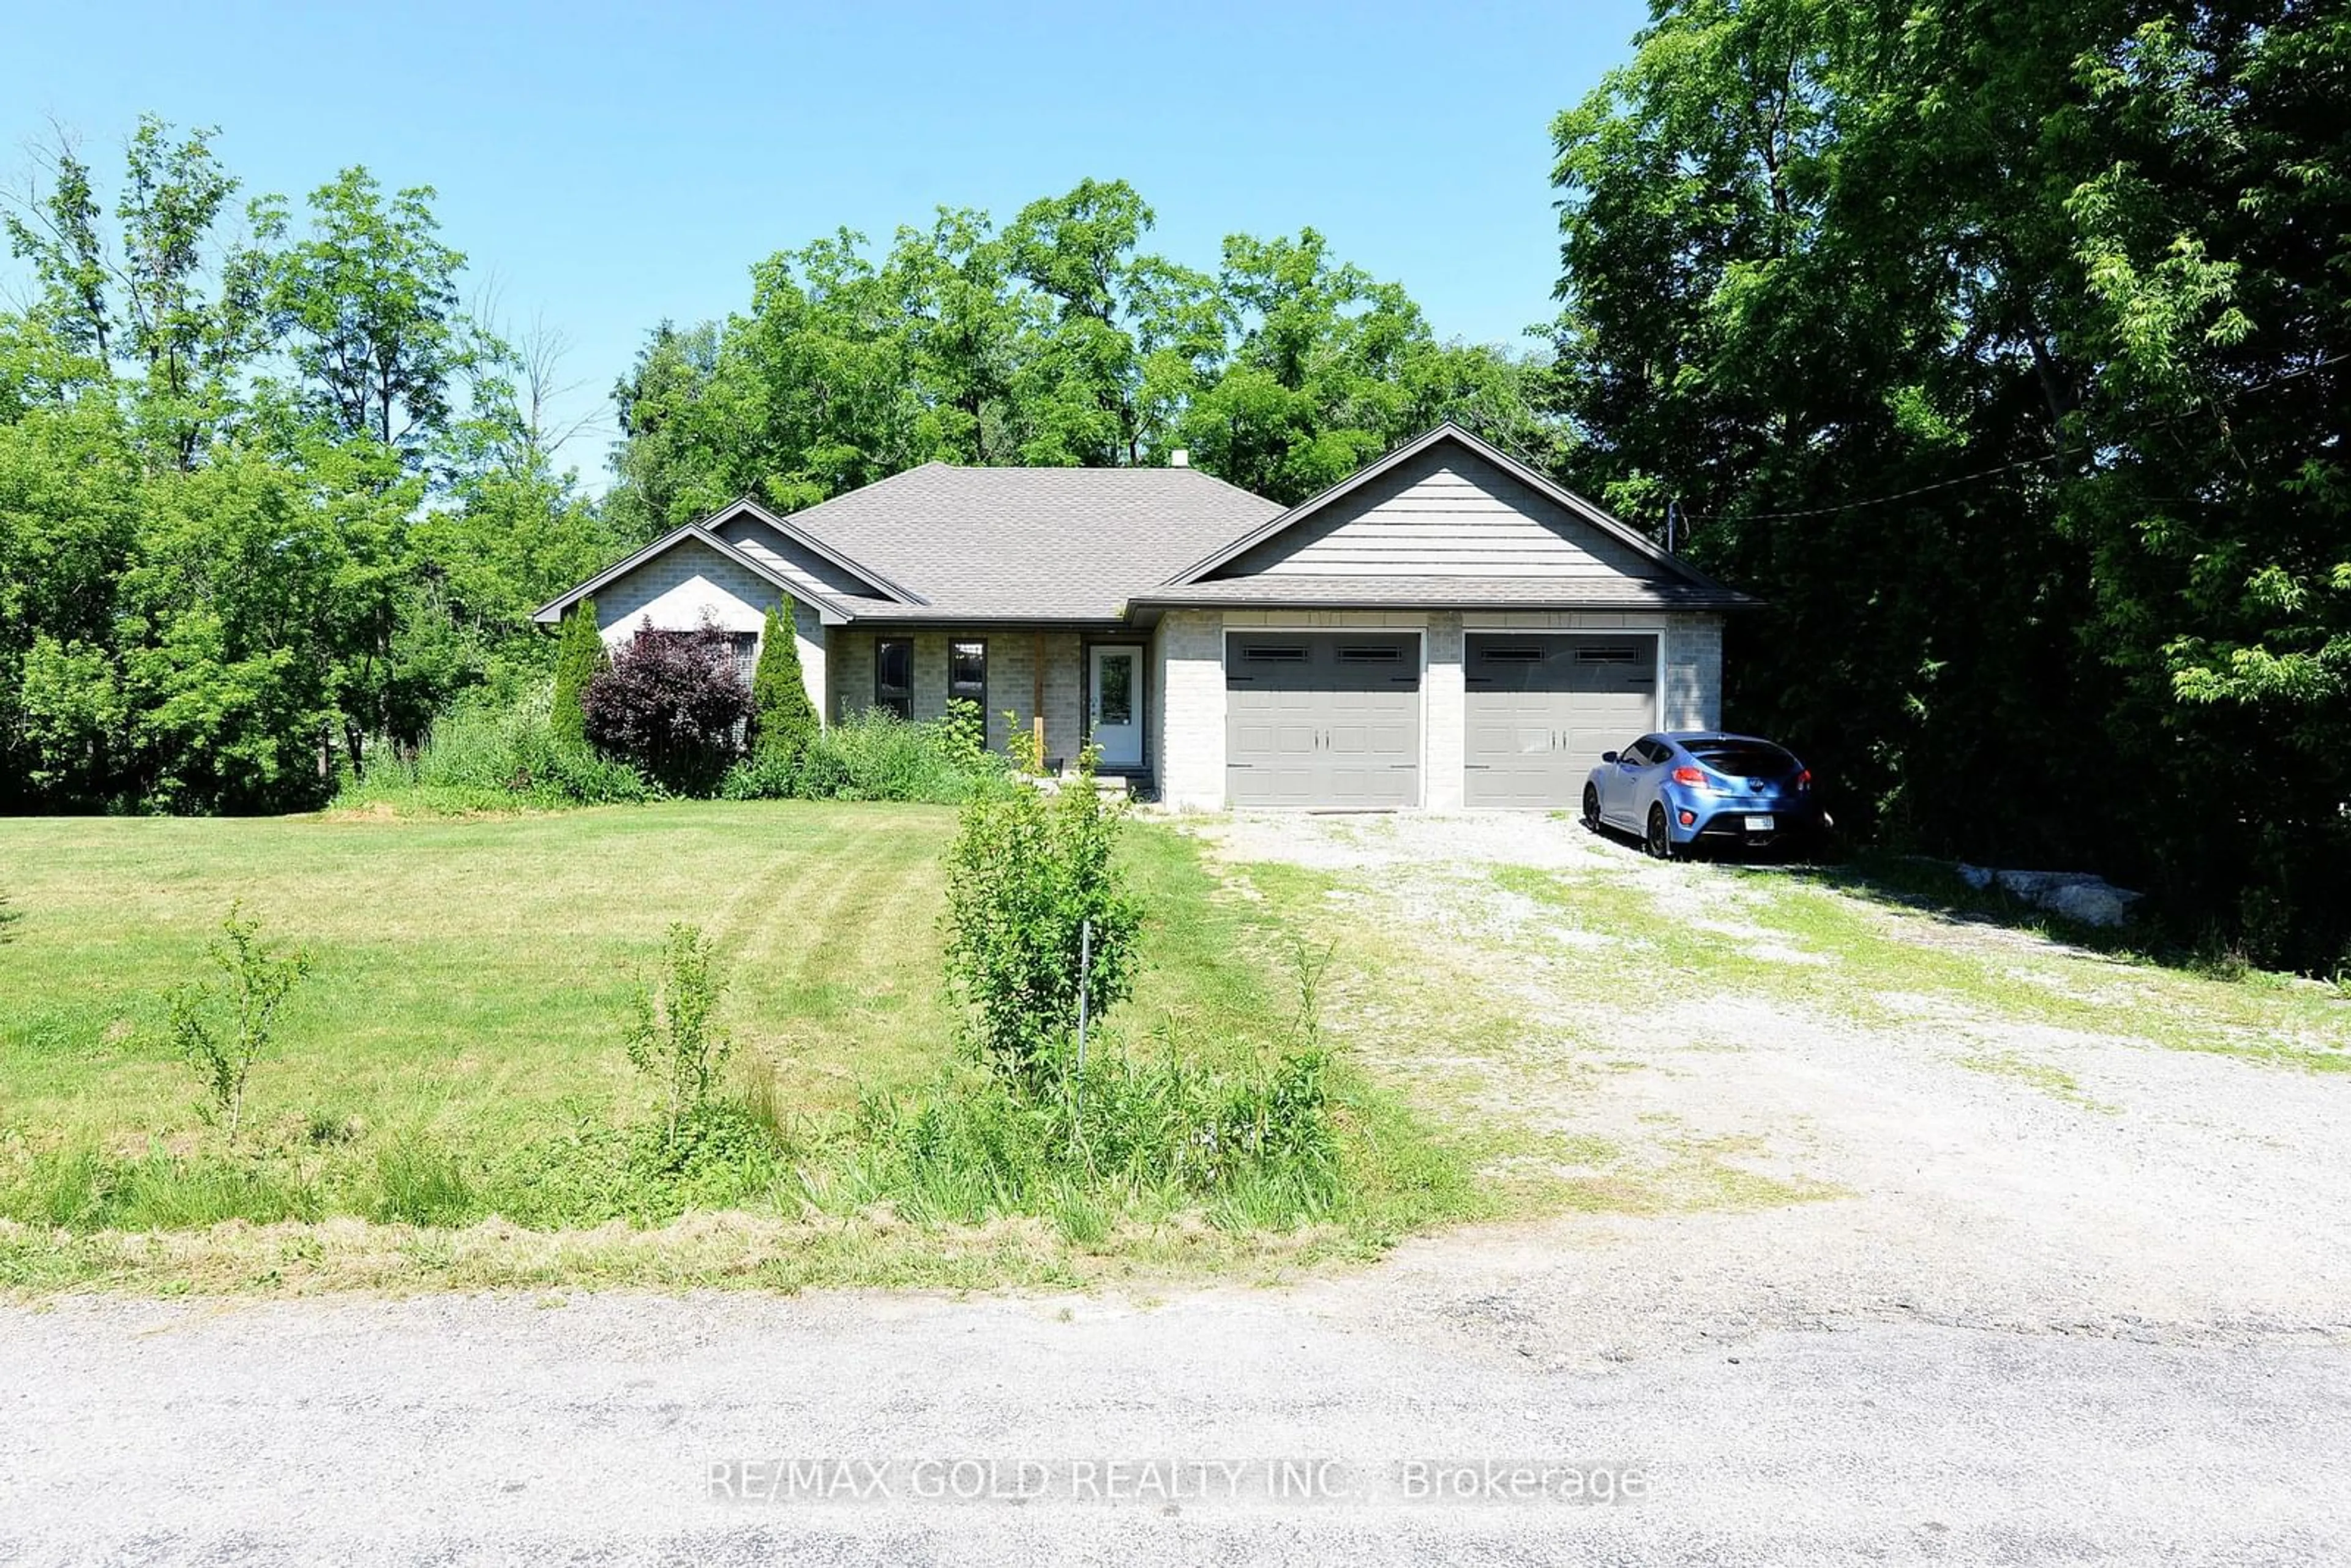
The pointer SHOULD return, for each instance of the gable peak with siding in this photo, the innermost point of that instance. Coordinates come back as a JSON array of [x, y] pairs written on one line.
[[1447, 505]]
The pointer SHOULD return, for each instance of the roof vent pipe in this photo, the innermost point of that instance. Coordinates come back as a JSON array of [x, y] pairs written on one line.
[[1179, 458]]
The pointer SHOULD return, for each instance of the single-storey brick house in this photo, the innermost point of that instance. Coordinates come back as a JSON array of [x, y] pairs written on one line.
[[1445, 627]]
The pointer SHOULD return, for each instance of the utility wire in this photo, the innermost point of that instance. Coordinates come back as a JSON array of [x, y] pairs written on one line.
[[1989, 473]]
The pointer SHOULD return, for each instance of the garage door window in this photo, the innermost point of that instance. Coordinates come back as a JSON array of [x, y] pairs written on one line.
[[1275, 654], [1371, 655], [1610, 655]]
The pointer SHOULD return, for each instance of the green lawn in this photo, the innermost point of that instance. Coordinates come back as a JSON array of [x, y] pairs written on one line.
[[469, 974], [471, 987], [473, 976]]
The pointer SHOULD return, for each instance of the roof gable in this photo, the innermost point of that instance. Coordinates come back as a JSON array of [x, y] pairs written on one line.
[[554, 609], [806, 556], [1447, 505]]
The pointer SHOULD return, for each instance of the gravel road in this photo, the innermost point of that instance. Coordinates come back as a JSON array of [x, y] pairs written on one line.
[[2109, 1327], [474, 1430]]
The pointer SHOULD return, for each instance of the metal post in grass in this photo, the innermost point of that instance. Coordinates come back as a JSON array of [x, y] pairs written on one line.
[[1085, 972]]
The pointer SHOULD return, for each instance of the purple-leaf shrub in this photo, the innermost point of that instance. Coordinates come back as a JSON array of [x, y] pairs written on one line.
[[674, 704]]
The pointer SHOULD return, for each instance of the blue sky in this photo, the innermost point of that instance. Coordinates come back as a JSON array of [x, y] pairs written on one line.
[[608, 166]]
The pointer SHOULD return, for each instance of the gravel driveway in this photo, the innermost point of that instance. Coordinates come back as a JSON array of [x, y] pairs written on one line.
[[2056, 1295]]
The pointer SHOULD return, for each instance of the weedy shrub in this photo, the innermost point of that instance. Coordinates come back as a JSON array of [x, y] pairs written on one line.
[[674, 1040], [1028, 879], [961, 735], [671, 704], [222, 1027], [877, 755], [763, 776]]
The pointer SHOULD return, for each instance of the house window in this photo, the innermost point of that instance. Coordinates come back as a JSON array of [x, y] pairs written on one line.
[[745, 648], [967, 674], [894, 675]]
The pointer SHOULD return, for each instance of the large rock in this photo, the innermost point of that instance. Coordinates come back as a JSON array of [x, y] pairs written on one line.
[[2077, 895], [2092, 902]]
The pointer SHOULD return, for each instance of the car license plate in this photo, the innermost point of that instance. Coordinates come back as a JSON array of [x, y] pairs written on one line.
[[1758, 824]]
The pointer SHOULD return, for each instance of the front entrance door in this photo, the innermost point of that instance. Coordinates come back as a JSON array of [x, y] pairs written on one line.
[[1114, 708]]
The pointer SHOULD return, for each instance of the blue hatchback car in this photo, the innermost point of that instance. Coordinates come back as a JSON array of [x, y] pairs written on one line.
[[1686, 788]]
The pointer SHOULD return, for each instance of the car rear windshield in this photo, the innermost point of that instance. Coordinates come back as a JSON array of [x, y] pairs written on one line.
[[1746, 759]]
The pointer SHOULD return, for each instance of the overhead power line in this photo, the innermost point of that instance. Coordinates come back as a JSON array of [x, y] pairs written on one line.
[[1992, 472]]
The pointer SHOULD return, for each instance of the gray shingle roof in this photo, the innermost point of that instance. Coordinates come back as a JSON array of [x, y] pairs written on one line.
[[1287, 591], [1020, 544]]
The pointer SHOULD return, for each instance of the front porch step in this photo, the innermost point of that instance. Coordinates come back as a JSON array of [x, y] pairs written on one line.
[[1104, 784]]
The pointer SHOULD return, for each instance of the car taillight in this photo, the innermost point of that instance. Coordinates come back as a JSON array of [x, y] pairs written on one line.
[[1692, 776], [1804, 779]]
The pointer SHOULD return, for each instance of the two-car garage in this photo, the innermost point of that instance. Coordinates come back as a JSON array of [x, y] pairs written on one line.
[[1447, 627], [1335, 720]]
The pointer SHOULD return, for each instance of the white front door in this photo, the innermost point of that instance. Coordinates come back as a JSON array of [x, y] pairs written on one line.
[[1115, 706]]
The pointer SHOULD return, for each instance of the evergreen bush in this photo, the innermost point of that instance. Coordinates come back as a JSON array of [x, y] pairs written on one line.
[[578, 655], [783, 721]]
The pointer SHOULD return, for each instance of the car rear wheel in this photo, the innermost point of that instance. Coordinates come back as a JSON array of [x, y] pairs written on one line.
[[1592, 808], [1659, 841]]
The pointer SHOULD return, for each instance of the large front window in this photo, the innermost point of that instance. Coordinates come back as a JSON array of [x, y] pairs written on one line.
[[894, 675]]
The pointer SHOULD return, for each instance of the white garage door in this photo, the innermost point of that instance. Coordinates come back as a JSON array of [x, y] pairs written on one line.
[[1323, 719], [1542, 708]]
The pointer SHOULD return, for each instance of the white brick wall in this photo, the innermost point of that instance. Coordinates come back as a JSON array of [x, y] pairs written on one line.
[[689, 585], [1692, 688], [1189, 660], [1445, 715]]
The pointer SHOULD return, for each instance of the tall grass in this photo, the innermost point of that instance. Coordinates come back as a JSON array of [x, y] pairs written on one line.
[[484, 756], [1143, 1139], [875, 755], [1292, 1142]]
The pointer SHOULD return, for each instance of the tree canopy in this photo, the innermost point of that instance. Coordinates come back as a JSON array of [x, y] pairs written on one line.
[[1999, 349], [1054, 340], [266, 503]]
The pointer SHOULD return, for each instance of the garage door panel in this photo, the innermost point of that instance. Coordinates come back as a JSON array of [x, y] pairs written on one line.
[[1328, 719], [1543, 707]]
